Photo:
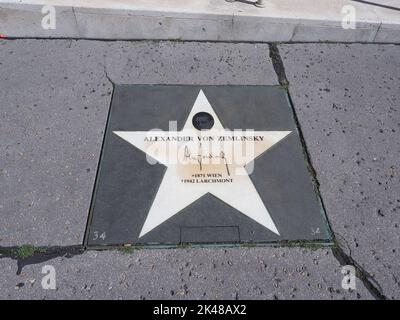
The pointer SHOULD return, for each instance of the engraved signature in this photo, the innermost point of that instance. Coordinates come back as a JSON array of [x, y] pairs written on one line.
[[199, 157]]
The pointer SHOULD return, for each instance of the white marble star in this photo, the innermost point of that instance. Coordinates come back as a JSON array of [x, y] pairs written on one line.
[[207, 161]]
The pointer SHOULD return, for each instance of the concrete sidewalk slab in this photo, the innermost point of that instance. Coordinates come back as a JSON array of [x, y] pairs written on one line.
[[54, 102], [166, 62], [235, 273], [347, 100], [211, 20]]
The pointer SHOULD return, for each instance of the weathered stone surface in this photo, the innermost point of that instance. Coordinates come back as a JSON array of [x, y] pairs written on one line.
[[235, 273], [347, 101]]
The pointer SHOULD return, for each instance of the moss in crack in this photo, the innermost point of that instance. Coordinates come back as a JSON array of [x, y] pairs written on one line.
[[311, 244], [183, 245], [129, 249], [248, 245], [27, 250], [29, 254], [278, 65], [179, 39]]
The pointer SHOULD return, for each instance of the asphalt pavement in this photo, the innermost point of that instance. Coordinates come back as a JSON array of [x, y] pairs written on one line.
[[54, 101]]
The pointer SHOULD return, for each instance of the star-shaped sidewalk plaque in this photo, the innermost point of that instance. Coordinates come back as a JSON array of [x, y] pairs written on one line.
[[205, 161], [225, 166]]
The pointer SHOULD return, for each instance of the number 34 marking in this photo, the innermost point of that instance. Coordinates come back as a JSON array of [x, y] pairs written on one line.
[[97, 235]]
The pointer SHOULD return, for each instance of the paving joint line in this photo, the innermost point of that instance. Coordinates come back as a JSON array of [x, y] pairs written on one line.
[[344, 259], [279, 69], [200, 41], [27, 254], [90, 211], [369, 282]]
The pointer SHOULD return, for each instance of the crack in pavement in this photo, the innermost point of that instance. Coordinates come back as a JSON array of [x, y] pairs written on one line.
[[369, 282], [344, 259], [90, 213], [39, 255], [282, 79]]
